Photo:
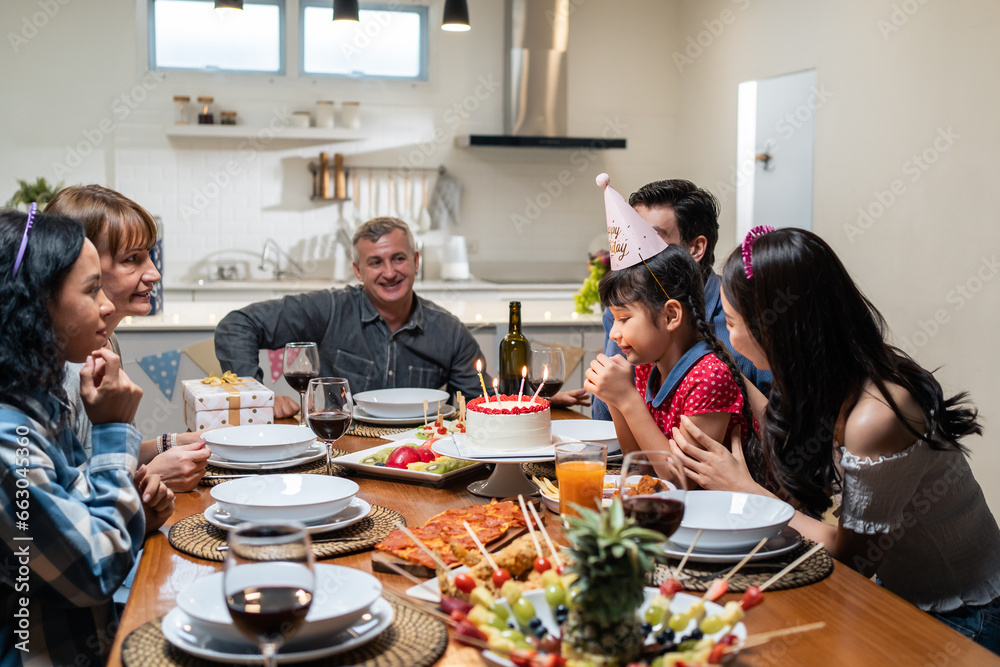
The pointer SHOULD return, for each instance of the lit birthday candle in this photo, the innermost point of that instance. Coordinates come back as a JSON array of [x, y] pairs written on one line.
[[479, 372], [496, 383], [524, 374], [545, 376]]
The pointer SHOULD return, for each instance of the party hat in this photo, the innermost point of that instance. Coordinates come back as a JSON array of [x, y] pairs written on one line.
[[630, 238]]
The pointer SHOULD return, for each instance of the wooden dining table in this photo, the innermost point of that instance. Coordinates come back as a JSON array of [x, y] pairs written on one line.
[[865, 624]]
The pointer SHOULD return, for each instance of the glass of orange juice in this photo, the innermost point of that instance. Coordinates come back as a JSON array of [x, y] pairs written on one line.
[[580, 468]]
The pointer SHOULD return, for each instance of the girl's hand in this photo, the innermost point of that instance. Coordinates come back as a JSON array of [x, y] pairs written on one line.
[[709, 463], [181, 467], [610, 379], [109, 396], [157, 499]]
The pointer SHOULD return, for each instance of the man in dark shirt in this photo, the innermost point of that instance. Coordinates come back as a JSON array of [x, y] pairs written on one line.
[[377, 335], [686, 215]]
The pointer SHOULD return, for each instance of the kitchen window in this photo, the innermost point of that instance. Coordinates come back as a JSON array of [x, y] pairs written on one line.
[[389, 42], [190, 35]]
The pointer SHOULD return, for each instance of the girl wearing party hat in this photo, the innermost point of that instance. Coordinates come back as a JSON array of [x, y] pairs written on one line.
[[681, 369]]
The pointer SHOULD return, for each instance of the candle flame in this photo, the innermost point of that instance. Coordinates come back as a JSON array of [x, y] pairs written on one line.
[[545, 372], [524, 371], [479, 365], [496, 382]]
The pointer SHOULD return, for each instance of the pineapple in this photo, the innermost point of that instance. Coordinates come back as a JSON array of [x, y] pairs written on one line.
[[610, 557]]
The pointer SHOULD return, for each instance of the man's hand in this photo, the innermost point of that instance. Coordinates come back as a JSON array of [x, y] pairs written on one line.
[[610, 379], [181, 467], [285, 407], [157, 499], [568, 398], [109, 396]]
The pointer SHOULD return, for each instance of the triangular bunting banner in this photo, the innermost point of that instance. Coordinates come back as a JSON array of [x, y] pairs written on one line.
[[162, 370], [277, 358], [203, 354]]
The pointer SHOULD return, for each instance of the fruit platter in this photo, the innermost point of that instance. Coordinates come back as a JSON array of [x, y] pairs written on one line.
[[411, 459], [588, 605]]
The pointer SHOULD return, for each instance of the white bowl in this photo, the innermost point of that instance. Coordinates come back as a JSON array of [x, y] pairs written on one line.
[[259, 443], [588, 430], [284, 497], [341, 595], [401, 403], [730, 521]]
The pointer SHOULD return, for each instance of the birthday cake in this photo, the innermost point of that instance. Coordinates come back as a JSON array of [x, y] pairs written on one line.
[[508, 424]]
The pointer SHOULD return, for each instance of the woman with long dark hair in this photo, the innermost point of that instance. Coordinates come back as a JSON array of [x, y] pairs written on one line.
[[69, 536], [853, 417]]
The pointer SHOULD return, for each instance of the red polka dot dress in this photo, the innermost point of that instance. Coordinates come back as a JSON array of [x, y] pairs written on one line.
[[708, 387]]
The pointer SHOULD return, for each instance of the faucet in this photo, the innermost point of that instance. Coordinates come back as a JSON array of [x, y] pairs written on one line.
[[296, 270]]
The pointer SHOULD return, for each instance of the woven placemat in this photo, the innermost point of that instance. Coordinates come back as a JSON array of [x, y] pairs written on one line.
[[317, 467], [363, 430], [698, 576], [195, 536], [548, 469], [414, 639]]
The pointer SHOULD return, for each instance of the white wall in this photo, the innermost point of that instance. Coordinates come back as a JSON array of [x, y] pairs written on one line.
[[890, 95], [64, 82]]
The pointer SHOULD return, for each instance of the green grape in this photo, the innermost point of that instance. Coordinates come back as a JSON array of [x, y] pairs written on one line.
[[654, 614], [495, 621], [678, 622], [524, 611], [500, 610], [555, 595], [513, 635], [712, 624]]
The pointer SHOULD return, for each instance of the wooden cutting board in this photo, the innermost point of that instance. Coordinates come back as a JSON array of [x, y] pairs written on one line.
[[382, 561]]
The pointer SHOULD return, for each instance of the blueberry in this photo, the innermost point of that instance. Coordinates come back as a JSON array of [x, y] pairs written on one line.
[[667, 634], [647, 628], [540, 632], [535, 623], [697, 633], [663, 637], [379, 464], [562, 609]]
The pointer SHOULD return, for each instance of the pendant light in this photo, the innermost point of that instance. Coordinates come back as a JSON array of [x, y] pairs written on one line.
[[346, 10], [229, 4], [456, 16]]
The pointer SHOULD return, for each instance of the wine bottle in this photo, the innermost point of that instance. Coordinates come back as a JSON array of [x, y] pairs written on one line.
[[514, 352]]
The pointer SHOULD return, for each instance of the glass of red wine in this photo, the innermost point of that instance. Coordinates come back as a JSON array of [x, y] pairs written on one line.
[[268, 580], [329, 409], [547, 357], [301, 364], [652, 488]]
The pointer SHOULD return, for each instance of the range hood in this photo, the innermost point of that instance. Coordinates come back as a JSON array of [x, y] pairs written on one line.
[[537, 33]]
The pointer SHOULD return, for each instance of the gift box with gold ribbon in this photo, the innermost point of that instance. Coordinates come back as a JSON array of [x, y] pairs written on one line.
[[229, 400]]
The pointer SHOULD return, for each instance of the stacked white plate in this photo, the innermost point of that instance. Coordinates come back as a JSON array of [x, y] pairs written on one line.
[[260, 443], [347, 611], [292, 497], [731, 525]]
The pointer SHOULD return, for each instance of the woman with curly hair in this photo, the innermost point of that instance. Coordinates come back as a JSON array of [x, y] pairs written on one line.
[[70, 536]]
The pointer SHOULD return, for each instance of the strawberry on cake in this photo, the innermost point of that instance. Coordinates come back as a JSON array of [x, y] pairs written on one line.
[[508, 425]]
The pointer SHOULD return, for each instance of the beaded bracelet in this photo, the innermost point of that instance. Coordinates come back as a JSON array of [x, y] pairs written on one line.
[[173, 441], [160, 443]]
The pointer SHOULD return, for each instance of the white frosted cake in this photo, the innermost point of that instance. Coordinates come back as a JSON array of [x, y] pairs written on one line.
[[508, 425]]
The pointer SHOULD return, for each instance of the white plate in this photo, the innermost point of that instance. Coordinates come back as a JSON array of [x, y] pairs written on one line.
[[340, 596], [448, 447], [680, 603], [361, 415], [255, 443], [589, 430], [730, 521], [181, 631], [399, 402], [355, 512], [314, 453], [280, 497], [354, 461], [776, 546]]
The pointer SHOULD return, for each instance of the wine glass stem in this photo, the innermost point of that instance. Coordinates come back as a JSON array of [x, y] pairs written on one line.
[[302, 408], [269, 652], [329, 458]]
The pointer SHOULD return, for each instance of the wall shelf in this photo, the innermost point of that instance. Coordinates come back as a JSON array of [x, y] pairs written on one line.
[[283, 137]]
